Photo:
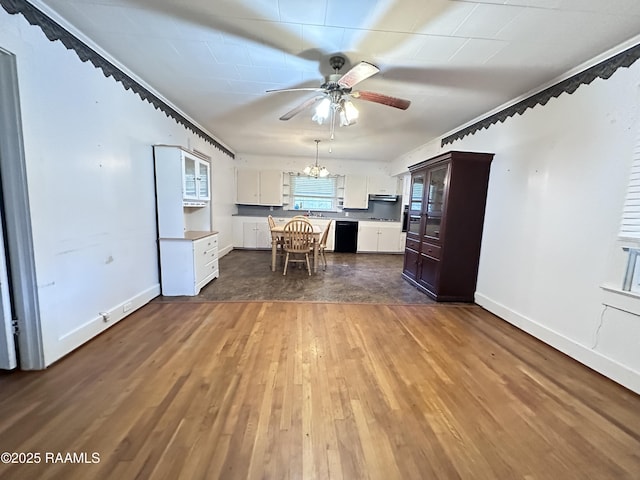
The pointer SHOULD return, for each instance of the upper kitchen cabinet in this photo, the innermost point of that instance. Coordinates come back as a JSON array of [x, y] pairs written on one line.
[[356, 193], [383, 185], [446, 216], [259, 187], [186, 175], [182, 191], [195, 179]]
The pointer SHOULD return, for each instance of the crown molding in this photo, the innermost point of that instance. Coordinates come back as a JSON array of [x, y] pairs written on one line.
[[603, 70]]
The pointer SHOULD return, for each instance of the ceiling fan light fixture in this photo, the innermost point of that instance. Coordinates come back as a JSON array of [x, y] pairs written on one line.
[[350, 111], [322, 111]]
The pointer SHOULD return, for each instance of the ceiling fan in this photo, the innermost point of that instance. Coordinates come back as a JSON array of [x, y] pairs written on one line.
[[334, 96]]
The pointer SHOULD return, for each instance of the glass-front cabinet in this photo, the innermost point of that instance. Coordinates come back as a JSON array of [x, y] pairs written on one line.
[[446, 215], [195, 179], [434, 200], [415, 204]]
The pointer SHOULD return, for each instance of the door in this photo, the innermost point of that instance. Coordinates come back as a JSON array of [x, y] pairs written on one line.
[[8, 358], [17, 257]]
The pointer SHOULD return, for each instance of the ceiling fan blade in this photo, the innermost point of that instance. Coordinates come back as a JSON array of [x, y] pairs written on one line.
[[400, 103], [307, 89], [303, 106], [358, 73]]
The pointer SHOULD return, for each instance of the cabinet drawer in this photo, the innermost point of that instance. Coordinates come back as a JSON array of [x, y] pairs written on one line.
[[204, 270], [202, 245], [413, 244], [431, 250], [206, 256]]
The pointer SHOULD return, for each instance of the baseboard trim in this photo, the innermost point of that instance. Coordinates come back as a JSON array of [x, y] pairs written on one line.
[[604, 365], [223, 251], [73, 339]]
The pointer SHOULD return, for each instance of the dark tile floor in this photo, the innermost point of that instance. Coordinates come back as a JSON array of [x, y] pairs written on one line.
[[245, 275]]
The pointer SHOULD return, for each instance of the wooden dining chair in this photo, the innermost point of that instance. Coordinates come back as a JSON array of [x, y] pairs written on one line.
[[279, 239], [322, 245], [298, 240]]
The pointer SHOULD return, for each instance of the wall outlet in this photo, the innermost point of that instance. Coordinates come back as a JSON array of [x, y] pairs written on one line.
[[127, 306], [346, 214]]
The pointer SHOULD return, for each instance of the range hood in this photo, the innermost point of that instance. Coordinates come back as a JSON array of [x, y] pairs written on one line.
[[379, 197]]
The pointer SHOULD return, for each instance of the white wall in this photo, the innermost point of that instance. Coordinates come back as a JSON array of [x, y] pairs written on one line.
[[91, 189], [556, 191], [297, 164]]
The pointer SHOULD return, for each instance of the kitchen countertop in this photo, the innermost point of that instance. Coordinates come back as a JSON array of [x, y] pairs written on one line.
[[192, 235], [327, 217]]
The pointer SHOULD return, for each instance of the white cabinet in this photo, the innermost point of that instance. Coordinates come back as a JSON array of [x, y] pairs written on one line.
[[188, 263], [259, 187], [251, 232], [195, 180], [384, 185], [188, 247], [355, 192], [181, 197], [256, 234], [380, 237]]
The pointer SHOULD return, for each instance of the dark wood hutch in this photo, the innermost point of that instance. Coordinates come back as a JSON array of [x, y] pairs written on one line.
[[446, 215]]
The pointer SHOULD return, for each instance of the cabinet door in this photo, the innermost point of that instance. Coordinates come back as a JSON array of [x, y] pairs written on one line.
[[250, 236], [355, 192], [203, 180], [385, 185], [263, 234], [411, 261], [247, 187], [367, 238], [388, 238], [416, 198], [189, 178], [429, 273], [271, 187], [434, 201]]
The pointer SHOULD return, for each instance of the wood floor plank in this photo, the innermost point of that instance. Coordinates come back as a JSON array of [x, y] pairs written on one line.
[[284, 390]]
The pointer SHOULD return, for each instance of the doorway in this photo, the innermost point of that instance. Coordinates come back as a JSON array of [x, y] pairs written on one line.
[[18, 287]]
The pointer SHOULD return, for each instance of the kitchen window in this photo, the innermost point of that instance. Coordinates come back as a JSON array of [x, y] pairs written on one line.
[[317, 194]]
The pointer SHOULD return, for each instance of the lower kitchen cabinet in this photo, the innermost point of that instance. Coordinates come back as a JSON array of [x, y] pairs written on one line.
[[251, 232], [189, 263], [379, 237]]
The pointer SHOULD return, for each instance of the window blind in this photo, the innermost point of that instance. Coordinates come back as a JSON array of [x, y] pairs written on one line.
[[630, 225], [311, 193]]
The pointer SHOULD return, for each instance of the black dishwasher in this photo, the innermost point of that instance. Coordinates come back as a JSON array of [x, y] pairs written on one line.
[[346, 237]]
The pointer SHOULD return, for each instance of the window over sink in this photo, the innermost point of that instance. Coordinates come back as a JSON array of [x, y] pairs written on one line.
[[317, 194]]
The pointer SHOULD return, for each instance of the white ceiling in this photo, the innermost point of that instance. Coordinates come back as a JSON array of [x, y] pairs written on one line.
[[454, 59]]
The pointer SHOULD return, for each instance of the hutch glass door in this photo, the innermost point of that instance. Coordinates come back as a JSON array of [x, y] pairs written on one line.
[[415, 204], [435, 201]]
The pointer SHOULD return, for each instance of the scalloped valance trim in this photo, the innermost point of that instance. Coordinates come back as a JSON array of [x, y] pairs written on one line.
[[54, 32], [602, 70]]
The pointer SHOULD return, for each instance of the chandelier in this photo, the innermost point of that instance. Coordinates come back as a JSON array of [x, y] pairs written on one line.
[[315, 170]]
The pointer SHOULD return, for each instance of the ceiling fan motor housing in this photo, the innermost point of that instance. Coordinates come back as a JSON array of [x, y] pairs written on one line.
[[336, 62]]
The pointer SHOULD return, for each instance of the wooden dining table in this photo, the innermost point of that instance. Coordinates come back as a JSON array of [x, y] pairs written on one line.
[[278, 231]]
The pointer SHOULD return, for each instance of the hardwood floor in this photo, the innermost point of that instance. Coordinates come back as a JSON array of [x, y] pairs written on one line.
[[283, 390]]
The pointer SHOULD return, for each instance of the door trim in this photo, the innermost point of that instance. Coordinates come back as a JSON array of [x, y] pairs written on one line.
[[20, 254]]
